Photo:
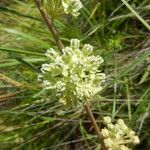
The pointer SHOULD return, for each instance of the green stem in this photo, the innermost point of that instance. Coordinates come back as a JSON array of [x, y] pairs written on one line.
[[50, 24]]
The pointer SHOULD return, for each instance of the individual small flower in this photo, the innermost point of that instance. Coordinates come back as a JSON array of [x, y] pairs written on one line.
[[40, 77], [121, 123], [118, 136], [110, 126], [105, 133], [135, 140], [72, 6], [131, 133], [74, 77], [108, 142], [122, 147], [60, 86], [107, 120], [62, 100], [47, 85]]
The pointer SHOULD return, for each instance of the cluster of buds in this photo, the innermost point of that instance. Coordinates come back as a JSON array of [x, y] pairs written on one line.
[[118, 136], [74, 76], [72, 6]]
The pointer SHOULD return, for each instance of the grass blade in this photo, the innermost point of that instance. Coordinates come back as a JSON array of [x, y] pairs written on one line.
[[129, 68], [28, 37], [6, 49], [14, 62], [25, 63], [136, 14], [8, 10]]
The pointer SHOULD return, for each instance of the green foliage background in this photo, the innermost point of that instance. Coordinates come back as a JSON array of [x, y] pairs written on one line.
[[27, 119]]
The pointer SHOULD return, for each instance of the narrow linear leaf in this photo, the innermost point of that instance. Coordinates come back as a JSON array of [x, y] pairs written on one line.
[[6, 49], [8, 10], [28, 37], [136, 14], [14, 62], [25, 63], [129, 68]]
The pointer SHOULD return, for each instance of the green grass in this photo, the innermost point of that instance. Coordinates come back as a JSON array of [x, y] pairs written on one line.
[[119, 32]]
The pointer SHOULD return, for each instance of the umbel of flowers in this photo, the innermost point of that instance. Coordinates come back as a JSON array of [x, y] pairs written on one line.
[[74, 76], [118, 136], [72, 6]]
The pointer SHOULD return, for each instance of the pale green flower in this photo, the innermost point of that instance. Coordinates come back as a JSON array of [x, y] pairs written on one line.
[[72, 6], [105, 132], [74, 76], [108, 142], [122, 147], [107, 120], [135, 139], [118, 136]]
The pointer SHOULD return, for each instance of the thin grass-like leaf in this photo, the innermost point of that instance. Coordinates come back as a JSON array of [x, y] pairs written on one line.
[[136, 14], [6, 49], [129, 68], [29, 65], [10, 11], [14, 62], [28, 37]]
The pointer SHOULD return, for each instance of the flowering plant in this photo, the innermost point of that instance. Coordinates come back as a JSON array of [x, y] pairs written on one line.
[[72, 6], [118, 136], [73, 76]]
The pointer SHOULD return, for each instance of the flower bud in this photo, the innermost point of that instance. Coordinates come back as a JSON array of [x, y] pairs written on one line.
[[135, 140], [72, 6], [107, 120]]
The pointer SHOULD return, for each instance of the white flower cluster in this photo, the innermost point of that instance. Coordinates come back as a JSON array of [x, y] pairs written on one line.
[[72, 6], [73, 76], [118, 136]]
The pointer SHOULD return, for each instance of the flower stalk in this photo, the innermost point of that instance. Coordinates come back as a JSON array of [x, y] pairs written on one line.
[[95, 126], [118, 136], [50, 24]]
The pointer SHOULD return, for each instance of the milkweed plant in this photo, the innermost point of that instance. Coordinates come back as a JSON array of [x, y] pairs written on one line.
[[72, 6], [118, 136], [74, 77]]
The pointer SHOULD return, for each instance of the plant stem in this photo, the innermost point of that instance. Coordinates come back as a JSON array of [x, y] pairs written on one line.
[[50, 24], [96, 128], [56, 36]]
